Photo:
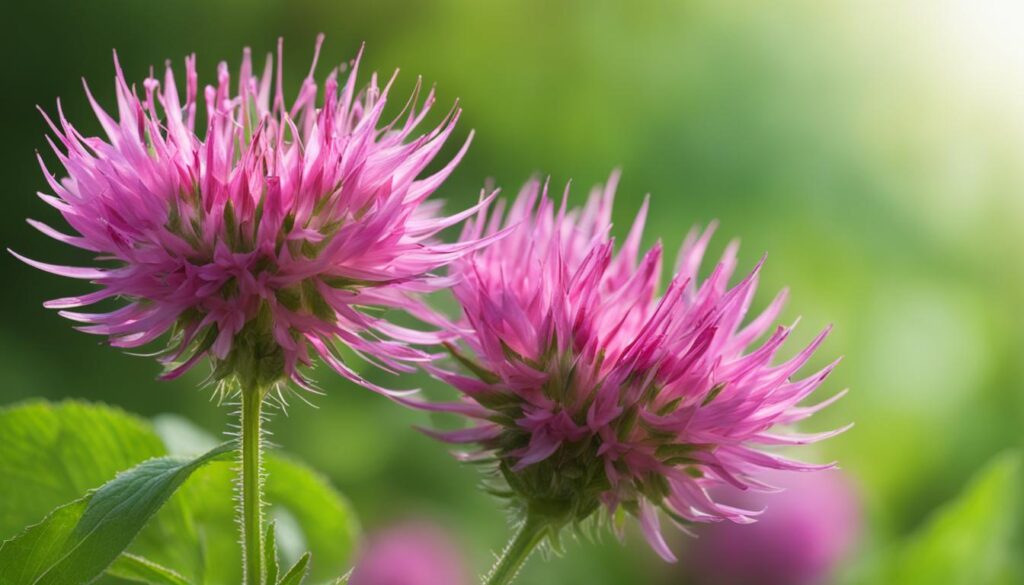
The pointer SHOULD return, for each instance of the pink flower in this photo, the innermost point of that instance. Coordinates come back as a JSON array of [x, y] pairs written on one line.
[[415, 553], [804, 533], [262, 241], [592, 389]]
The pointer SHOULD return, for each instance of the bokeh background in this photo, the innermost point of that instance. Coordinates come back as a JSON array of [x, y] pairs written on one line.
[[874, 148]]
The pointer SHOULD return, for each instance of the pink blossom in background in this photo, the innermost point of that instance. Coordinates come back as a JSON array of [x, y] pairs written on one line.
[[803, 534], [261, 241], [590, 386], [414, 553]]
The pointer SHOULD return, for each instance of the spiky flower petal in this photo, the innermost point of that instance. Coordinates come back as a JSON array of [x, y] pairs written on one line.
[[590, 388], [261, 241]]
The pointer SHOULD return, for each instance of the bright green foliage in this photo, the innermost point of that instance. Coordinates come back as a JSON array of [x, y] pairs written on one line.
[[79, 541], [59, 452], [26, 557], [54, 453], [970, 540]]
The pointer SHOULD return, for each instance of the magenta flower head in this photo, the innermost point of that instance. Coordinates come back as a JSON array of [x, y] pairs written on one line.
[[591, 389], [261, 241], [804, 533], [413, 553]]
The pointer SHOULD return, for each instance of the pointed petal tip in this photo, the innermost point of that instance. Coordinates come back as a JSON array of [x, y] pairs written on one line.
[[68, 271]]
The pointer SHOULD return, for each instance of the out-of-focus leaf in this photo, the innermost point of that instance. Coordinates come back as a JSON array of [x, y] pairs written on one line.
[[329, 526], [288, 534], [967, 542], [181, 437], [140, 570], [309, 514], [77, 542], [324, 518]]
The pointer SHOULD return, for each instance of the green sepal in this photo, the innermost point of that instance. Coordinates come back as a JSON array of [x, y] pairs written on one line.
[[470, 364], [315, 302], [353, 284], [713, 393]]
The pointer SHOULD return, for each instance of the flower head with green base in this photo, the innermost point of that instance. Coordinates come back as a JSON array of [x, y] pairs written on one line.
[[260, 242], [592, 390]]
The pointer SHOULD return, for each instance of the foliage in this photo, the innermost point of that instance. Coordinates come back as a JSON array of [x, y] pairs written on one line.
[[115, 470], [970, 540]]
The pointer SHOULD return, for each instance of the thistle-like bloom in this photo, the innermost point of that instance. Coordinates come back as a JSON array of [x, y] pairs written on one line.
[[592, 389], [261, 241]]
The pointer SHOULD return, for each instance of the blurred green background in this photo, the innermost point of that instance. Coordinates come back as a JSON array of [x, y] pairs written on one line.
[[872, 148]]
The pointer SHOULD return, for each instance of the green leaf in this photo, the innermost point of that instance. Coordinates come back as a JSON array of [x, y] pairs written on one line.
[[270, 554], [970, 540], [28, 555], [297, 574], [77, 542], [117, 512], [54, 453], [141, 570]]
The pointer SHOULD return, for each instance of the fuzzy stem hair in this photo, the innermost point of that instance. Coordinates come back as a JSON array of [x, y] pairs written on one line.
[[519, 549], [251, 480]]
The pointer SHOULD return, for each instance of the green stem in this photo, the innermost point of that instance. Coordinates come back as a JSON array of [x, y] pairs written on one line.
[[252, 488], [518, 550]]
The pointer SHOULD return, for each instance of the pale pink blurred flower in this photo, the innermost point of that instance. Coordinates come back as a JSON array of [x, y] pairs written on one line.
[[804, 533], [415, 553], [589, 387], [262, 241]]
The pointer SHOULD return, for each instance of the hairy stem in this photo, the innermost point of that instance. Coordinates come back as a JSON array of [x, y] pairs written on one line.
[[252, 487], [518, 550]]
